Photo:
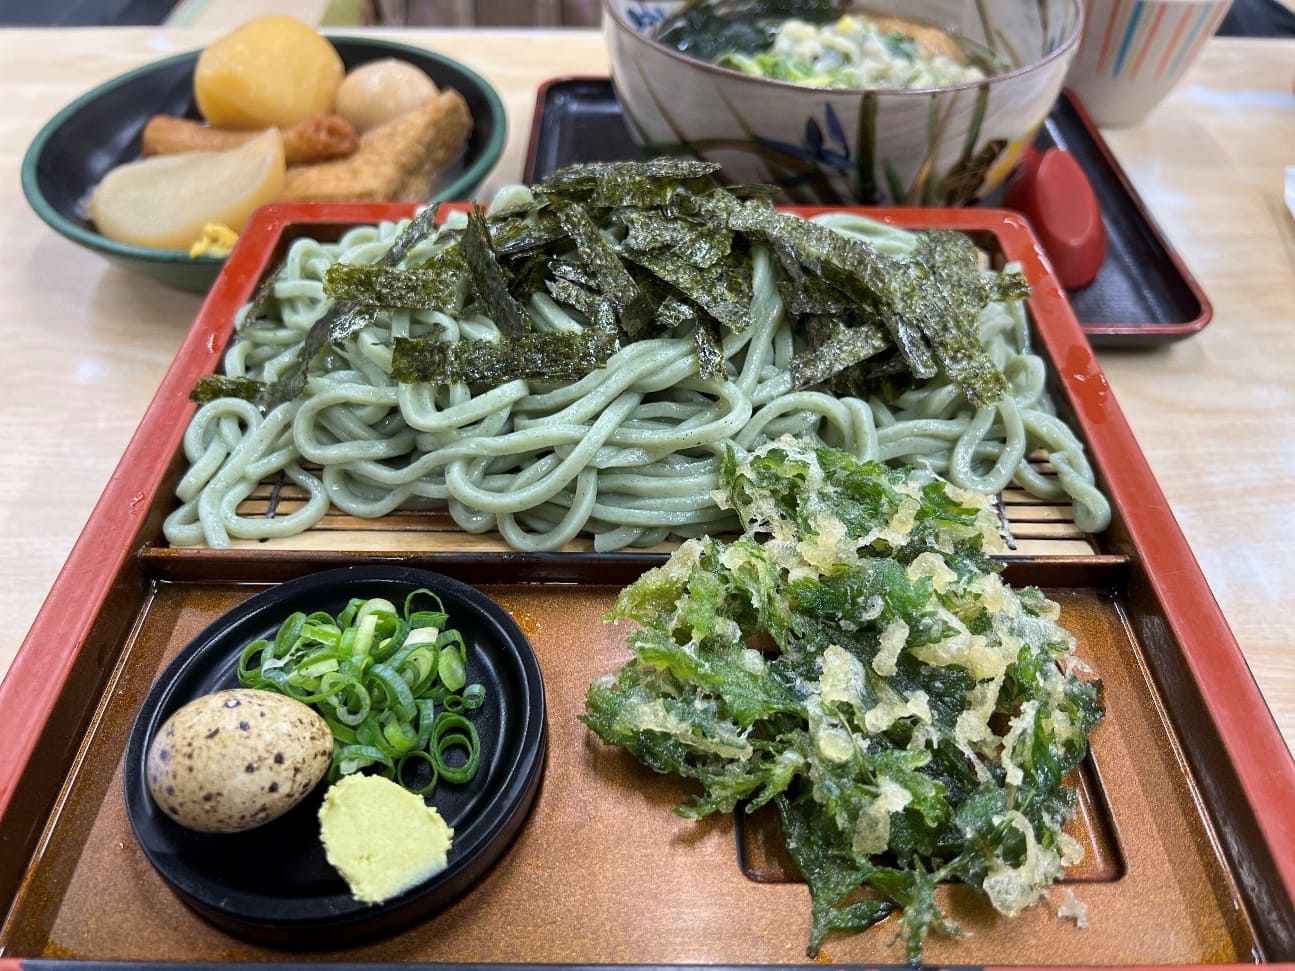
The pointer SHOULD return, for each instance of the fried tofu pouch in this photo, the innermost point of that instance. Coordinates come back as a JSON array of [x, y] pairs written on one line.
[[395, 161], [316, 138]]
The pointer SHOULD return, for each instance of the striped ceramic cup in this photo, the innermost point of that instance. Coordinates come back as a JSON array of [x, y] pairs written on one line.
[[1133, 52]]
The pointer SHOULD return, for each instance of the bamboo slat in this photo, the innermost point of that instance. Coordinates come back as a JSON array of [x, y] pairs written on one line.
[[1032, 527]]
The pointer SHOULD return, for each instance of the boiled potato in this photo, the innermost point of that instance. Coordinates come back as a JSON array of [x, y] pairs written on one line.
[[233, 760], [272, 71], [374, 93], [166, 200]]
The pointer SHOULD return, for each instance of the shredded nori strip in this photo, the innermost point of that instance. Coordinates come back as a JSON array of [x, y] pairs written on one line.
[[344, 318], [515, 235], [929, 318], [674, 313], [651, 230], [573, 295], [943, 266], [664, 167], [438, 284], [632, 308], [802, 291], [1007, 285], [566, 270], [722, 290], [617, 184], [213, 386], [260, 304], [528, 275], [420, 227], [710, 350], [489, 278], [853, 266], [533, 356], [841, 347], [886, 375]]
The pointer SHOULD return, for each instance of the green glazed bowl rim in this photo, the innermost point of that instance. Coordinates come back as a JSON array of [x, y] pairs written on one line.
[[470, 177]]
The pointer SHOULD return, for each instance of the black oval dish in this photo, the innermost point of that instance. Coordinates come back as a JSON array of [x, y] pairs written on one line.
[[273, 884]]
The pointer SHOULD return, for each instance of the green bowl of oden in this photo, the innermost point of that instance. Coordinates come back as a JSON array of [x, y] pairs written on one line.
[[159, 169], [924, 102]]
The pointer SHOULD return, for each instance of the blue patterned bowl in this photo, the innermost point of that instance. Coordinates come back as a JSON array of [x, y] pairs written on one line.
[[944, 146]]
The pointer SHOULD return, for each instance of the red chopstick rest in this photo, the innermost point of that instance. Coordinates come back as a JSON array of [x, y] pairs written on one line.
[[1054, 193]]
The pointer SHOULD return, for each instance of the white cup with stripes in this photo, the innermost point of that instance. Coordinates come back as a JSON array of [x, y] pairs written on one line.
[[1134, 52]]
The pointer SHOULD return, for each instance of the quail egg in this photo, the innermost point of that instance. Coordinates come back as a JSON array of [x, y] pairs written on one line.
[[236, 759]]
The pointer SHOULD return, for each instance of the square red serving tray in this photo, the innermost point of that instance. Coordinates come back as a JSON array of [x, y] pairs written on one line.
[[71, 681]]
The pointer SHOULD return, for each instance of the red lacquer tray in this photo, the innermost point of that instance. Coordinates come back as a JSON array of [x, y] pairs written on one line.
[[1185, 804]]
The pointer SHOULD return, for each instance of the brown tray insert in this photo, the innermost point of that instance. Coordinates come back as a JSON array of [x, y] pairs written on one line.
[[604, 873]]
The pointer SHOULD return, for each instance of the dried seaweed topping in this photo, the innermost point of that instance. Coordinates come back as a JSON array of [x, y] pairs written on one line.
[[649, 230], [710, 350], [673, 314], [885, 375], [489, 279], [841, 347], [513, 236], [802, 291], [568, 270], [930, 303], [574, 295], [632, 308], [616, 184], [759, 191], [259, 306], [213, 386], [943, 268], [440, 283], [1007, 285], [418, 229], [534, 356], [344, 318], [723, 290], [656, 248], [528, 274], [680, 170], [851, 265]]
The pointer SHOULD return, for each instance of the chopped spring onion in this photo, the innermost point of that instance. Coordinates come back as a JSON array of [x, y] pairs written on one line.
[[392, 685]]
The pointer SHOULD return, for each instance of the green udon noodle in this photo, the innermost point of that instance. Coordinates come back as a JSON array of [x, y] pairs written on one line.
[[629, 454]]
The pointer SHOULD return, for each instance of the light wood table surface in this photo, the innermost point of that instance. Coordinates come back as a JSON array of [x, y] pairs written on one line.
[[84, 344]]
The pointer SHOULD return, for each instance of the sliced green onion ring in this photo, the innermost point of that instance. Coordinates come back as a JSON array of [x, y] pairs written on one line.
[[427, 759], [453, 732], [474, 696], [391, 684]]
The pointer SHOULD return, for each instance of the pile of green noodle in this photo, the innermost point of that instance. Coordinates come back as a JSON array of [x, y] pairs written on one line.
[[628, 454]]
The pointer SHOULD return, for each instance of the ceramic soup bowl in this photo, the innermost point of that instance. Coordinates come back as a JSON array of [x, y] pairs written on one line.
[[940, 146]]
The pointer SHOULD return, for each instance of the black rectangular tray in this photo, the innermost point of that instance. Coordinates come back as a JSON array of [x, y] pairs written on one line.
[[1143, 295]]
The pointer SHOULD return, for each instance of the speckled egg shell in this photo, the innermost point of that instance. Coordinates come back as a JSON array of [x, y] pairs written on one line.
[[233, 760]]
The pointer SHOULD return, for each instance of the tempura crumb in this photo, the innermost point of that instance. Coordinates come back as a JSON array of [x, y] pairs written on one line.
[[1072, 906]]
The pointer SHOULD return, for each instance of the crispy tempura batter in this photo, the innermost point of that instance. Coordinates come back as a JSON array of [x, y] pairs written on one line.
[[395, 161], [318, 138]]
